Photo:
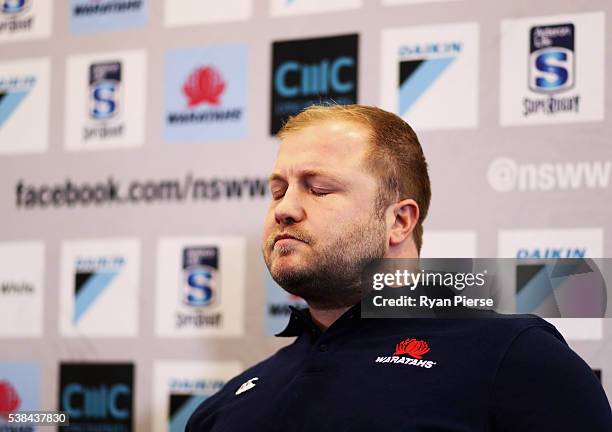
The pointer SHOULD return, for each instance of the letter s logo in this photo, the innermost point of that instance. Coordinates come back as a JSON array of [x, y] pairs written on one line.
[[552, 70]]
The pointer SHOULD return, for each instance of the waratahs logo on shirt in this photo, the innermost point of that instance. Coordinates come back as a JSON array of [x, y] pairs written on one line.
[[206, 93], [92, 276], [410, 352]]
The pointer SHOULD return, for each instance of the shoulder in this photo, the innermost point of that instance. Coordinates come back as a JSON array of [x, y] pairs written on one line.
[[205, 412]]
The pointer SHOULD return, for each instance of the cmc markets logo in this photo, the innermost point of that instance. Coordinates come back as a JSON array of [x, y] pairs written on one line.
[[551, 69], [15, 16], [410, 352], [105, 96], [505, 175], [200, 287], [206, 93], [13, 90], [185, 395], [312, 71], [420, 65], [200, 276], [92, 275], [97, 396]]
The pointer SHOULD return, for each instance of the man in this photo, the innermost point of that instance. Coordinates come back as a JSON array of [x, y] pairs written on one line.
[[350, 185]]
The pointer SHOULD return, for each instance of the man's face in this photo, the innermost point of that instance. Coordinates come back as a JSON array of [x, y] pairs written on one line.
[[322, 227]]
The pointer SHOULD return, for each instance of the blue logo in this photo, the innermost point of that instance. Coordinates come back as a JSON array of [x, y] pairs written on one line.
[[92, 276], [13, 91], [200, 275], [97, 396], [185, 396], [307, 72], [104, 89], [540, 253], [420, 66], [206, 94], [96, 401], [88, 16], [551, 58], [13, 7], [313, 79]]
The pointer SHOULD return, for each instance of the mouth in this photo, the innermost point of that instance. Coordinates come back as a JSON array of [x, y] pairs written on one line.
[[285, 238]]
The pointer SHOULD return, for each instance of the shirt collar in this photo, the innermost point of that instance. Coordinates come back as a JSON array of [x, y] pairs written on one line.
[[300, 321]]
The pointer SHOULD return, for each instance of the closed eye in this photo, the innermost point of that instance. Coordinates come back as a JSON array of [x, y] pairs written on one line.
[[319, 192]]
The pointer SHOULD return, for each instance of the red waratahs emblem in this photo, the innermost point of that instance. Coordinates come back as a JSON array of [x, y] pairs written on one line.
[[205, 84], [9, 399], [413, 347]]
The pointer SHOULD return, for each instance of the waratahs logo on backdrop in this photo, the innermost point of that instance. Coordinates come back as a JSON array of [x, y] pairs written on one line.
[[19, 391], [106, 15], [206, 94], [13, 91], [97, 396]]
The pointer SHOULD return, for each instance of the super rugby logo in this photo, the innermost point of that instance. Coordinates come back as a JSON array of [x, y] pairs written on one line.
[[410, 352]]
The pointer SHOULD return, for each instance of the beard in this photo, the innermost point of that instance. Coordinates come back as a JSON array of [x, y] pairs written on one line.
[[330, 277]]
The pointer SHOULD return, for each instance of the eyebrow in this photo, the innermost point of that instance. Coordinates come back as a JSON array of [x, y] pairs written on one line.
[[308, 173]]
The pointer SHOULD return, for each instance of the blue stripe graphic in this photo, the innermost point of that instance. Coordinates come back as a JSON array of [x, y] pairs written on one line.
[[537, 290], [420, 80], [180, 418], [90, 292], [9, 103]]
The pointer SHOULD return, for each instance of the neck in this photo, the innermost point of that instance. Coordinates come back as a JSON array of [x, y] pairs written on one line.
[[323, 318]]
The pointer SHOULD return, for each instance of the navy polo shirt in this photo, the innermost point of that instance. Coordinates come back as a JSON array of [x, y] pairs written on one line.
[[488, 374]]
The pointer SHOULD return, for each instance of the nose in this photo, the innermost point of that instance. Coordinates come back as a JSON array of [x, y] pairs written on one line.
[[289, 209]]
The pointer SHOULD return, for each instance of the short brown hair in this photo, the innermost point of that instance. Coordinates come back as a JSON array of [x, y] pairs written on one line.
[[395, 157]]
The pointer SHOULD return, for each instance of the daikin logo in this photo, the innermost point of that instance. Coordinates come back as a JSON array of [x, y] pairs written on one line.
[[13, 91], [420, 66], [92, 276], [551, 252]]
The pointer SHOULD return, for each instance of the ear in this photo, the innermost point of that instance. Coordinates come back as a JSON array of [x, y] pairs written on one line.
[[405, 218]]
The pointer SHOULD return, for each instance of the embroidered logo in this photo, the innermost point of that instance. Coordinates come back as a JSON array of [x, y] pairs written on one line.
[[410, 352], [248, 385]]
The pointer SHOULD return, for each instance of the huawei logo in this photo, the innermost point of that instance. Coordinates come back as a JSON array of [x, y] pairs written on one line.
[[413, 347], [204, 85]]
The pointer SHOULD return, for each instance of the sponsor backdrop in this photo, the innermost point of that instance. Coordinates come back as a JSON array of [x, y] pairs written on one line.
[[135, 141]]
